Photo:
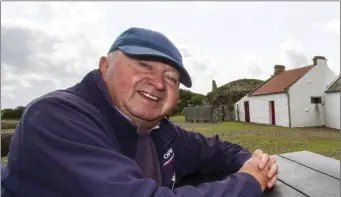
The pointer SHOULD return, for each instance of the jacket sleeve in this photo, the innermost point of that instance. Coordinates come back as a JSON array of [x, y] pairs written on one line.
[[63, 149], [210, 155]]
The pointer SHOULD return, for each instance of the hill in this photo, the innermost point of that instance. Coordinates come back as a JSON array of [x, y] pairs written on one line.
[[233, 91]]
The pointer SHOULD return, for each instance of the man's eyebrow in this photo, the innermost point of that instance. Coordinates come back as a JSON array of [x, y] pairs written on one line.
[[169, 68]]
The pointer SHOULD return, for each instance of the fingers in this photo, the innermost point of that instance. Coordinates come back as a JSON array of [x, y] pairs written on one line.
[[264, 159], [272, 182], [273, 170], [263, 167]]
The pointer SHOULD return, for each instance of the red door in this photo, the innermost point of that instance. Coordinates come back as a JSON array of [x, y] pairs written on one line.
[[247, 111], [272, 112]]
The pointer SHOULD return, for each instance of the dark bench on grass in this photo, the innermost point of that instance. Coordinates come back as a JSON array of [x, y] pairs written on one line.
[[301, 174]]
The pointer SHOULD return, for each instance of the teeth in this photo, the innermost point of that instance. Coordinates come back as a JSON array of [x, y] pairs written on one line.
[[150, 96]]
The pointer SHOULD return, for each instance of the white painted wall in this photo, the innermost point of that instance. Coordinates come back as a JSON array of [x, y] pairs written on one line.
[[239, 108], [313, 83], [332, 110], [260, 109]]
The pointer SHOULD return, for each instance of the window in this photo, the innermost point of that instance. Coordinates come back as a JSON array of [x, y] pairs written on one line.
[[315, 99]]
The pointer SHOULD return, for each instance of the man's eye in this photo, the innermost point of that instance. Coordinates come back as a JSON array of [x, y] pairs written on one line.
[[143, 64], [172, 80]]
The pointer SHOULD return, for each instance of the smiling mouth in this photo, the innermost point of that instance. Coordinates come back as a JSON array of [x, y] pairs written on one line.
[[149, 96]]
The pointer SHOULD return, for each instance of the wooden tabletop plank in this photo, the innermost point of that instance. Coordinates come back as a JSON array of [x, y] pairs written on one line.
[[318, 162], [282, 190], [309, 181]]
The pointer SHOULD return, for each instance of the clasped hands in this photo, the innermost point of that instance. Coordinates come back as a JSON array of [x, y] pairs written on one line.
[[263, 167]]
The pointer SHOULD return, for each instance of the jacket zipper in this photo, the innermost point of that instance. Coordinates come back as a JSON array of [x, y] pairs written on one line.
[[174, 180]]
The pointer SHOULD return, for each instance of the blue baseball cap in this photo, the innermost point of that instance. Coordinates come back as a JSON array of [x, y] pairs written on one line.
[[141, 42]]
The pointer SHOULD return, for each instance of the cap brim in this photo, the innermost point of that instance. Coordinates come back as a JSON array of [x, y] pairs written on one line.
[[185, 78]]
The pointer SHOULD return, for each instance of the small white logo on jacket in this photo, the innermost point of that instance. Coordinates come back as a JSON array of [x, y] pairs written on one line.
[[168, 156]]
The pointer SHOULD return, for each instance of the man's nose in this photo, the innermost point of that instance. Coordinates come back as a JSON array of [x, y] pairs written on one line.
[[157, 79]]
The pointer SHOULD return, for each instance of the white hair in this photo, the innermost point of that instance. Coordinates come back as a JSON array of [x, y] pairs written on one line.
[[112, 57]]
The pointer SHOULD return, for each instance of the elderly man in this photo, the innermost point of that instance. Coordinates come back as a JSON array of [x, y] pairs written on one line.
[[108, 136]]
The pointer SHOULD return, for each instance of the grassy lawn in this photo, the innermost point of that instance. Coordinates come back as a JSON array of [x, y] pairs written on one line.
[[271, 139], [3, 160]]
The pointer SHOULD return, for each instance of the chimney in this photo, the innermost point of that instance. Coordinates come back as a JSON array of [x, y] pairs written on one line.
[[278, 69], [319, 60]]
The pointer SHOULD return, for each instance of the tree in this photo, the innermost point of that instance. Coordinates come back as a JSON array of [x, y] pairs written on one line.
[[197, 99], [187, 98], [12, 113]]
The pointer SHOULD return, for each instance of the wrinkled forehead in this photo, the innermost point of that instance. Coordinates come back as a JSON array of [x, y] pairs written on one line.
[[155, 60]]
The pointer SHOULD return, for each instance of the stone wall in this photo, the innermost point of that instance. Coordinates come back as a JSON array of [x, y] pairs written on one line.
[[223, 113], [209, 113]]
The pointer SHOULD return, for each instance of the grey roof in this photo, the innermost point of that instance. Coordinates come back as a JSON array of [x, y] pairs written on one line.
[[335, 86]]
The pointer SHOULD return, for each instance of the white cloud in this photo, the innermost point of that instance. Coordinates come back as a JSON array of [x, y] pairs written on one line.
[[315, 25], [254, 64], [204, 69], [199, 66], [24, 83], [334, 66], [333, 26], [57, 44], [6, 88], [292, 54], [7, 95]]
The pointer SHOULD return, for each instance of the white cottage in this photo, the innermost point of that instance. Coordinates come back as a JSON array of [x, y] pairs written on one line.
[[289, 98], [332, 105]]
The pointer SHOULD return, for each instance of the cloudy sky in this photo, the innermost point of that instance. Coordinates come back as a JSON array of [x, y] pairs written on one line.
[[48, 46]]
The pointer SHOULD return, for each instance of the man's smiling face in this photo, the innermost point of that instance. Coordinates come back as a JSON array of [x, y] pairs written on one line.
[[143, 89]]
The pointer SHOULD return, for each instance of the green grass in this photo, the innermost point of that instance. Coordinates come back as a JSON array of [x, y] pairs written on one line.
[[271, 139], [8, 124], [177, 118], [4, 160]]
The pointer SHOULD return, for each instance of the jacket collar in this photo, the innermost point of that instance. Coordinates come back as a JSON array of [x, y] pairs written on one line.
[[126, 117], [93, 89]]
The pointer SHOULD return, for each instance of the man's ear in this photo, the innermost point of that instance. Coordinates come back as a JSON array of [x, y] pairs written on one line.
[[103, 65]]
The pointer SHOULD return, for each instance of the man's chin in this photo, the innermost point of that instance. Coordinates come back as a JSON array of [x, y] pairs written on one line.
[[143, 122], [148, 117]]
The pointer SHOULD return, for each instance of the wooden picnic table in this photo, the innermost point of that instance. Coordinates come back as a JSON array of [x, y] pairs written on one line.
[[304, 174]]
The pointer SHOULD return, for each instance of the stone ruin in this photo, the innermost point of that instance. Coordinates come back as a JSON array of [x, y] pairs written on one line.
[[221, 101]]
